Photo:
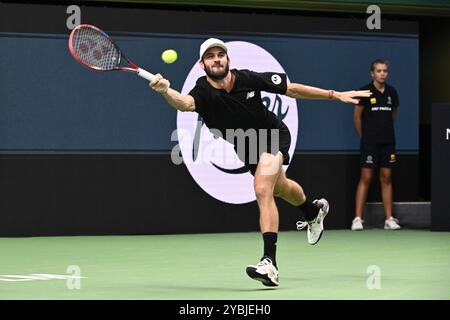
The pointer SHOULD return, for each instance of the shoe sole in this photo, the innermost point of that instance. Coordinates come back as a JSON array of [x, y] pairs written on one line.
[[318, 239], [264, 279], [321, 222]]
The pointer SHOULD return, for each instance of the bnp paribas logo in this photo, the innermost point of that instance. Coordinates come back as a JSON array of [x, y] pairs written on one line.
[[210, 159]]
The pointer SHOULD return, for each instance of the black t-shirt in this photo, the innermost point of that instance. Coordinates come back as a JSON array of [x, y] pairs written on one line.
[[242, 108], [377, 122]]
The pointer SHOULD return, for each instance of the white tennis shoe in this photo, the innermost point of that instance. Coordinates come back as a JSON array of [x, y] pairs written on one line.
[[315, 227], [265, 272]]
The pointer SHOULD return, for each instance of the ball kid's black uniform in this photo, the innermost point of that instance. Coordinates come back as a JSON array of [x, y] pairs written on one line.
[[243, 108], [378, 136]]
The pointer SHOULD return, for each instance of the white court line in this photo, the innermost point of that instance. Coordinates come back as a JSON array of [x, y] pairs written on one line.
[[37, 276]]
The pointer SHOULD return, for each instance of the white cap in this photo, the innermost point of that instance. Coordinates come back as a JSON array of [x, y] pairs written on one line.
[[210, 43]]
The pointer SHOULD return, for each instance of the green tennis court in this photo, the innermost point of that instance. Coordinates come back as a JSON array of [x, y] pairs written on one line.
[[411, 264]]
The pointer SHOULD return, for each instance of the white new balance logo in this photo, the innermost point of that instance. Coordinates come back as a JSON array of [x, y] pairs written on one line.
[[250, 94]]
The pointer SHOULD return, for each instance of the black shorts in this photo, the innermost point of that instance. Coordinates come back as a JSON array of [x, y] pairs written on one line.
[[252, 152], [377, 155]]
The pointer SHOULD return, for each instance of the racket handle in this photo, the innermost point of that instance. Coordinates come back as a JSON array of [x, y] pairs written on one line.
[[146, 75]]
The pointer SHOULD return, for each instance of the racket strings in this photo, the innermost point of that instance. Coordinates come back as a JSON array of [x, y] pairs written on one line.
[[95, 49]]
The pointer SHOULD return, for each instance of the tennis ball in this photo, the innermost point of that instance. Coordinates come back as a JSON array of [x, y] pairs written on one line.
[[169, 56]]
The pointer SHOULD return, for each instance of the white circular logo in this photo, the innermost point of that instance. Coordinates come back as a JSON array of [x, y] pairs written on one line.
[[276, 79], [212, 161]]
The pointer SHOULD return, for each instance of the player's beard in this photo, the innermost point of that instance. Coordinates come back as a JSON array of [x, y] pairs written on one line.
[[216, 76]]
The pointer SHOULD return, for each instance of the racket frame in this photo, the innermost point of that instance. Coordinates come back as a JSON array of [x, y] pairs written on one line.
[[133, 68]]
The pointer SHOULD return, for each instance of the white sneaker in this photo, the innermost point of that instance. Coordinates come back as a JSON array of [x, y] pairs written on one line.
[[315, 227], [265, 272], [391, 224], [357, 224]]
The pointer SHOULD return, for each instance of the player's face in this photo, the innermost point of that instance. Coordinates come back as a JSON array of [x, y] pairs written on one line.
[[380, 73], [216, 64]]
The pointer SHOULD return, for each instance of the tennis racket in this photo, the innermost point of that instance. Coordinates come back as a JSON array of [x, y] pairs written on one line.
[[94, 49]]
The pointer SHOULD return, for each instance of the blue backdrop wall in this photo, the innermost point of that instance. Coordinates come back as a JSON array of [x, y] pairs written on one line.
[[48, 102]]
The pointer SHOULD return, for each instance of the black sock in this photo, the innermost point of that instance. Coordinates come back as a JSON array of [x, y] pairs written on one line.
[[310, 211], [270, 246]]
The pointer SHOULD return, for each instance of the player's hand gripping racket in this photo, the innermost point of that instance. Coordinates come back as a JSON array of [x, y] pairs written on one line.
[[94, 49]]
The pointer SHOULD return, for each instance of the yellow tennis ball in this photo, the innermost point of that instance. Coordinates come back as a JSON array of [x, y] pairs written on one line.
[[169, 56]]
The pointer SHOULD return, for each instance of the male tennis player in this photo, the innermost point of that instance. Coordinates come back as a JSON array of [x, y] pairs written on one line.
[[231, 99]]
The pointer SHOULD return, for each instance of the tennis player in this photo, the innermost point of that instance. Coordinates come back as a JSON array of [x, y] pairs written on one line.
[[231, 99]]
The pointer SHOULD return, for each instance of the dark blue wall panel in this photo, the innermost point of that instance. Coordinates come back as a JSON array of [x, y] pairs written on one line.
[[49, 102]]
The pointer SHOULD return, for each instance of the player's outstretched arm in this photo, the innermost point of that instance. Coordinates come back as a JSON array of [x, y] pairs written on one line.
[[300, 91], [174, 98]]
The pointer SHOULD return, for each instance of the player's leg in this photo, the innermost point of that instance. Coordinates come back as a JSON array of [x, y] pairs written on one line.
[[266, 174], [314, 211], [289, 190], [293, 193], [387, 160]]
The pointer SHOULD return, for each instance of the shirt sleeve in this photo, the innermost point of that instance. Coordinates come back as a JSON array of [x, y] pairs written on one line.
[[198, 94], [269, 81]]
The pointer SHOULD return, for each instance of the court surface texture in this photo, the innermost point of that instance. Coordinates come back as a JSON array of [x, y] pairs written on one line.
[[371, 264]]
